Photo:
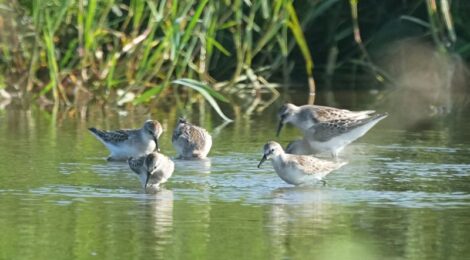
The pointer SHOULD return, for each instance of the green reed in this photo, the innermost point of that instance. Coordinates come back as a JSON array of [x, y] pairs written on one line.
[[148, 47], [153, 49]]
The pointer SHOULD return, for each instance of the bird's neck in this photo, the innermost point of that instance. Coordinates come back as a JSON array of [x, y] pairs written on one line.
[[278, 158], [302, 124]]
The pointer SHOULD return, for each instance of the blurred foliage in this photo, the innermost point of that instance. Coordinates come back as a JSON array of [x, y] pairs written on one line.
[[138, 46], [71, 51]]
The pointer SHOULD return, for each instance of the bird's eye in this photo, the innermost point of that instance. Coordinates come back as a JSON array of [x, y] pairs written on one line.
[[272, 150]]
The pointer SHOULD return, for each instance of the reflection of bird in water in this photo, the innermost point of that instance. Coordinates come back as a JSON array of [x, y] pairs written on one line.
[[297, 169], [308, 202], [163, 217], [5, 99], [326, 129], [153, 169], [199, 166], [130, 142], [297, 211]]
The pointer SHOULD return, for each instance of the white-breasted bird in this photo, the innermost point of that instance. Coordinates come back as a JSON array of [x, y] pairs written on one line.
[[334, 135], [304, 117], [325, 129], [297, 169], [153, 169], [125, 143]]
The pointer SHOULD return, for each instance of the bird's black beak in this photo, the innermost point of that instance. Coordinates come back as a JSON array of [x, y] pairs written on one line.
[[147, 180], [262, 160], [279, 127], [156, 143]]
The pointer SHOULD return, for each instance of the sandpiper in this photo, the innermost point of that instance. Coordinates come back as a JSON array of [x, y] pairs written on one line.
[[190, 141], [127, 143], [306, 116], [153, 169], [300, 146], [333, 136], [297, 169]]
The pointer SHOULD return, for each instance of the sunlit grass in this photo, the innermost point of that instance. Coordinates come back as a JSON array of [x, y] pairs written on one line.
[[216, 48], [144, 46]]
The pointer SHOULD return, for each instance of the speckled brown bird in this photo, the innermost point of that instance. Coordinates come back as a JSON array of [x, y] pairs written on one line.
[[334, 135], [304, 117], [153, 169], [297, 169], [190, 141], [325, 129]]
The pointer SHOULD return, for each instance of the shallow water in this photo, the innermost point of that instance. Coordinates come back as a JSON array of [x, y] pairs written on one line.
[[404, 194]]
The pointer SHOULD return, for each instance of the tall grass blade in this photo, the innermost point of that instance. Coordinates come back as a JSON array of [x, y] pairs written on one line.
[[148, 94], [204, 91], [189, 30], [89, 33], [296, 29]]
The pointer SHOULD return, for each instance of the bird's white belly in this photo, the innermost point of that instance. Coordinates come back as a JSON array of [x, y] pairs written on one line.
[[124, 151], [207, 147], [328, 146], [291, 175], [338, 142], [150, 148]]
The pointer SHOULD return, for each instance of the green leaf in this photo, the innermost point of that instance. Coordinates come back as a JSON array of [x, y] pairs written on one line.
[[90, 14], [218, 46], [58, 19], [144, 97], [138, 11], [206, 92], [188, 31], [296, 29], [228, 25], [198, 84], [47, 88]]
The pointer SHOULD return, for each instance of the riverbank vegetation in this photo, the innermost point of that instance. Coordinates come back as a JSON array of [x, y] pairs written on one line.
[[132, 51]]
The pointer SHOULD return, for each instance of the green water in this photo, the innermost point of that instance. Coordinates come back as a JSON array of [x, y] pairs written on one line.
[[404, 194]]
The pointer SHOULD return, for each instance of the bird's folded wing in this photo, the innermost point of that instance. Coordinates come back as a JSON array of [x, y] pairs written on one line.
[[137, 164]]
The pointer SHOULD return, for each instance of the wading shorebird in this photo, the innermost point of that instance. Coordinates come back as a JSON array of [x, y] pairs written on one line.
[[297, 169], [153, 169], [300, 147], [304, 117], [326, 129], [130, 142], [190, 141], [334, 135]]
